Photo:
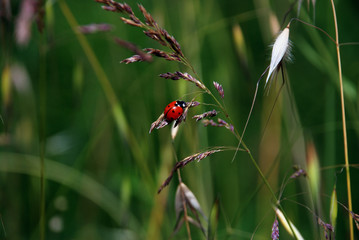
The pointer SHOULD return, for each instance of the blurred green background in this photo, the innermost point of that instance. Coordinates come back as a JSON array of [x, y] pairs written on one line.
[[85, 125]]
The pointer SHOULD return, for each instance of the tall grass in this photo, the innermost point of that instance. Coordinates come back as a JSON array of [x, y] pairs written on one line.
[[76, 159]]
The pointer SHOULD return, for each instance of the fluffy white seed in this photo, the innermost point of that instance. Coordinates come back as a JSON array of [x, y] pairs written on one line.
[[280, 48]]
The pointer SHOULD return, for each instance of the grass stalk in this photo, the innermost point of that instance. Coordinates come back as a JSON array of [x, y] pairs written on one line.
[[188, 229], [346, 157], [42, 138]]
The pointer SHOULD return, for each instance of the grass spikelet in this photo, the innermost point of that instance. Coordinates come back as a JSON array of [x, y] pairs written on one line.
[[149, 19], [155, 36], [172, 42], [219, 89], [110, 5], [131, 22], [313, 170], [275, 230], [333, 207], [288, 225], [140, 55], [187, 197], [162, 54], [208, 114], [355, 218], [134, 58], [281, 48], [328, 229], [299, 172], [174, 131], [195, 157], [186, 76], [159, 123], [183, 117], [219, 123]]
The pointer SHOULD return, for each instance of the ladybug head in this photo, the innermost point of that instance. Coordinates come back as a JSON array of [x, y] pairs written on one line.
[[181, 104]]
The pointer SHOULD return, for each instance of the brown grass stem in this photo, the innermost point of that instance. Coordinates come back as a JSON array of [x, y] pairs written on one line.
[[346, 157]]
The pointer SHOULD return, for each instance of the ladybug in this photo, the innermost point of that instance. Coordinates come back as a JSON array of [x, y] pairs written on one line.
[[174, 110]]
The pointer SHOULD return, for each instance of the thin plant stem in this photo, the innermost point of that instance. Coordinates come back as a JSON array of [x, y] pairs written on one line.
[[182, 195], [346, 157], [277, 202], [186, 215], [42, 138], [3, 227]]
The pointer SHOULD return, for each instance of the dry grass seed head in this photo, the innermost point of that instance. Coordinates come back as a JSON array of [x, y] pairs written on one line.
[[299, 172], [275, 230], [183, 117], [280, 50], [159, 123], [140, 55], [208, 114], [356, 218], [186, 76], [184, 194], [162, 54], [197, 156], [288, 225], [149, 19], [221, 123], [219, 89], [328, 229]]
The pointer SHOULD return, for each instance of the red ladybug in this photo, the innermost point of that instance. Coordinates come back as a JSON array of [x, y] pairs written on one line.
[[174, 110]]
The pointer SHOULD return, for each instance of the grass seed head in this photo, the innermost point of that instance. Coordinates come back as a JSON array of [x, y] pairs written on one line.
[[288, 225], [280, 50], [299, 172], [356, 218], [110, 5], [149, 19], [155, 36], [313, 170], [205, 115], [186, 76], [275, 230], [172, 42], [140, 55], [333, 207], [159, 123], [195, 157], [219, 89], [328, 229], [130, 22], [162, 54]]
